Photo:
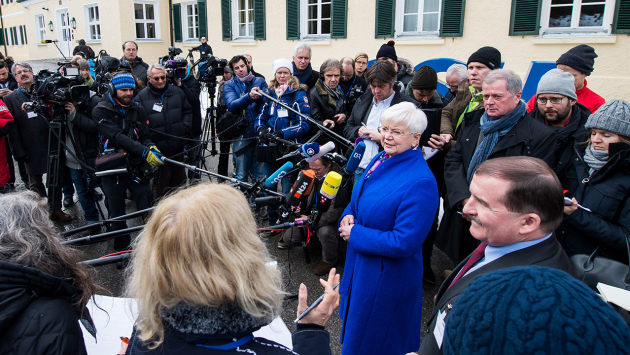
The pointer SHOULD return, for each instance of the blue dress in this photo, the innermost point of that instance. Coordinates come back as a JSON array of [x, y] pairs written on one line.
[[381, 287]]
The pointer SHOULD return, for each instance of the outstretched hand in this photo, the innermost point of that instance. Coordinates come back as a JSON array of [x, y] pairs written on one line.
[[321, 313]]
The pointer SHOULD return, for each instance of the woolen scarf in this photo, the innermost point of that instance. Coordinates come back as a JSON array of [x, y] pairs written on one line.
[[492, 130], [280, 90], [304, 75], [596, 159], [336, 94]]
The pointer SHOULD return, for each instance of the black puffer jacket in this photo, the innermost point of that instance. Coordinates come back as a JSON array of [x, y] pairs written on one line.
[[175, 118], [36, 313], [139, 68], [85, 131], [607, 194], [192, 89]]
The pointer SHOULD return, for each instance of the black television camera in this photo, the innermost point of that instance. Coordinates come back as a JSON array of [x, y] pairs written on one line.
[[51, 91], [354, 94], [176, 67], [103, 69]]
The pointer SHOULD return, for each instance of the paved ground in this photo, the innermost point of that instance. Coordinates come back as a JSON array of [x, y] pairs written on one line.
[[291, 262]]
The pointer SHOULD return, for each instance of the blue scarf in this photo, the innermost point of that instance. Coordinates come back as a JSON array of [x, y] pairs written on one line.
[[492, 130], [302, 76]]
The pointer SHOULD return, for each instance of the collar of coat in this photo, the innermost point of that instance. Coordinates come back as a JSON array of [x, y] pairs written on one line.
[[321, 90]]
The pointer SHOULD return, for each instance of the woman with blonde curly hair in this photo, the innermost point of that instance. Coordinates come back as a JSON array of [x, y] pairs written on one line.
[[201, 279]]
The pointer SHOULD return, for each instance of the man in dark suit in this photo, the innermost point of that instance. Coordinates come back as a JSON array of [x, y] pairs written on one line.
[[515, 205]]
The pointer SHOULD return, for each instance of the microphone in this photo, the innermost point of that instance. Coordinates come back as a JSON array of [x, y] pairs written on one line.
[[355, 159], [322, 150], [306, 150], [301, 188], [328, 192], [49, 41], [275, 178], [267, 200]]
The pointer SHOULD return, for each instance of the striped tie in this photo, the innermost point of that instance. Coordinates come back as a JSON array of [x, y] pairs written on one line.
[[476, 256]]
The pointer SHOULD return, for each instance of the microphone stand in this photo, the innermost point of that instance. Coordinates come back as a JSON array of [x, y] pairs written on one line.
[[90, 239], [107, 260], [334, 135], [101, 223]]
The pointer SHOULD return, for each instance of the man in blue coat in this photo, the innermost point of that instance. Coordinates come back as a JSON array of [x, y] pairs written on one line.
[[239, 97]]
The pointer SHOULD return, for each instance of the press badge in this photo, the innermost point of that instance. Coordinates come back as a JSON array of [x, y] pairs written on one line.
[[31, 114], [440, 326], [283, 112], [157, 107]]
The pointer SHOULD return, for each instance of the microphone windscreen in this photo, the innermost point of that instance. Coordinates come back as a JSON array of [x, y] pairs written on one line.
[[331, 184], [355, 159], [322, 150], [309, 149], [301, 187], [278, 175]]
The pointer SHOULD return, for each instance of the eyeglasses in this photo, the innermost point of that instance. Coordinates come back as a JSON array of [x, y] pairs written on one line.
[[554, 100], [283, 73], [159, 78], [395, 134], [19, 72]]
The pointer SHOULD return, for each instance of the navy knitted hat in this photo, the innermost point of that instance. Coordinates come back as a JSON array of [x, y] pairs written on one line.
[[123, 80], [387, 50], [533, 310], [488, 56], [580, 58]]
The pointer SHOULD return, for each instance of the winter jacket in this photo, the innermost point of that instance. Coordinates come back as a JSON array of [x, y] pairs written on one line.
[[454, 110], [607, 194], [11, 83], [139, 68], [85, 131], [324, 107], [449, 96], [6, 123], [528, 138], [204, 48], [292, 126], [564, 152], [188, 329], [405, 72], [117, 131], [37, 315], [237, 99], [192, 89], [29, 136], [174, 119], [352, 90], [585, 96], [381, 288], [437, 101], [85, 49]]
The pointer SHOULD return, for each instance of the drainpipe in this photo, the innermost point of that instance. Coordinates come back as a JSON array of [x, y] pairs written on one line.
[[5, 40], [170, 23]]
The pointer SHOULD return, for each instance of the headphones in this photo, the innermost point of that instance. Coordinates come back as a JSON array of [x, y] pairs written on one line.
[[111, 89]]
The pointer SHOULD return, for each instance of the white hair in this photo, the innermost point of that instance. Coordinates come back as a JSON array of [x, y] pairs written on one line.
[[155, 66], [460, 70], [303, 45], [407, 114]]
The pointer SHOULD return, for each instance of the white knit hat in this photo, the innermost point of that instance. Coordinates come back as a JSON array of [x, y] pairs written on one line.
[[281, 63]]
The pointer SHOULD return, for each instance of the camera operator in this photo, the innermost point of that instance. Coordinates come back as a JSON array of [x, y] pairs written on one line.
[[239, 96], [130, 57], [29, 139], [204, 48], [124, 125], [352, 86], [170, 116]]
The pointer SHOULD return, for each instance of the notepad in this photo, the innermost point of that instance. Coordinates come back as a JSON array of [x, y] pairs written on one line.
[[615, 295]]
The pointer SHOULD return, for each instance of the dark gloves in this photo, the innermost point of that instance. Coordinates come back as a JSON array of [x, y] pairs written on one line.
[[263, 135], [278, 134]]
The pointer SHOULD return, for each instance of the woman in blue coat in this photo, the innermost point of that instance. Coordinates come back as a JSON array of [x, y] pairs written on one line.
[[385, 224]]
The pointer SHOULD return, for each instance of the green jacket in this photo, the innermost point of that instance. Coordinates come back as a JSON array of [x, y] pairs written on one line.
[[453, 113]]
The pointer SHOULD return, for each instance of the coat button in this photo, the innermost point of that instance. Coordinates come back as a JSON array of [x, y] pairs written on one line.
[[466, 139], [559, 163]]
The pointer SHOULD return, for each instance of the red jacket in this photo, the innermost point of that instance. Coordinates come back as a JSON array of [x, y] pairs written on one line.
[[585, 96], [6, 122]]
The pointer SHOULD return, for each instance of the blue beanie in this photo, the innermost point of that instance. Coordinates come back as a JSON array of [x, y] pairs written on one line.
[[533, 310], [123, 80]]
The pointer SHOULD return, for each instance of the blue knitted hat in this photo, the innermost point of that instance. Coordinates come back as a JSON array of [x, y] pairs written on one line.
[[123, 80], [533, 310]]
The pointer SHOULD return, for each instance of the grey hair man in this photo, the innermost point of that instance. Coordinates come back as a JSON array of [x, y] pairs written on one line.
[[501, 130], [456, 76], [302, 70]]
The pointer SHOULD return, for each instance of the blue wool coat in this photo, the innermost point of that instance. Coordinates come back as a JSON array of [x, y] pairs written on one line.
[[381, 302]]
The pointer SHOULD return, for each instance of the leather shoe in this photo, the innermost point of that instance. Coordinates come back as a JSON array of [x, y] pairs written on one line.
[[68, 201], [61, 216], [323, 268], [282, 244]]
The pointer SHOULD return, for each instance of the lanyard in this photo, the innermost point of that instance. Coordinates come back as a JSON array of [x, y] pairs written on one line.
[[229, 346], [349, 89], [162, 100], [23, 94]]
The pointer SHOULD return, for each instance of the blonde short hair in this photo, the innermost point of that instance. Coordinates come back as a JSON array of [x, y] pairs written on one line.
[[200, 247]]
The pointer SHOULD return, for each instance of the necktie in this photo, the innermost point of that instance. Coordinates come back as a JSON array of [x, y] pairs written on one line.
[[476, 256]]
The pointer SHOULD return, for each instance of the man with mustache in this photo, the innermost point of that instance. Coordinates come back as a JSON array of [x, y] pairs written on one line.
[[515, 205], [557, 107]]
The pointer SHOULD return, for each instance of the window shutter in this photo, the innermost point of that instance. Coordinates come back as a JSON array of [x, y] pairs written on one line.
[[177, 22], [203, 18], [525, 17], [293, 19], [226, 19], [25, 38], [339, 18], [14, 35], [452, 22], [22, 35], [385, 11], [621, 23], [1, 37], [259, 20]]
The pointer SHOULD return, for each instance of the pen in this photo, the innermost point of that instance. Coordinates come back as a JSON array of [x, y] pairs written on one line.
[[124, 340], [312, 307]]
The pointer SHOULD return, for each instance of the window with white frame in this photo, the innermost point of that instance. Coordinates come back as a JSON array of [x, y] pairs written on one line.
[[92, 22], [40, 28], [243, 18], [418, 17], [146, 15], [316, 18], [576, 16], [190, 19]]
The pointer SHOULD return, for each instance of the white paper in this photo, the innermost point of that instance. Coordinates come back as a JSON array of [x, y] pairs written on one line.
[[428, 154], [615, 295], [31, 114], [438, 332], [121, 316]]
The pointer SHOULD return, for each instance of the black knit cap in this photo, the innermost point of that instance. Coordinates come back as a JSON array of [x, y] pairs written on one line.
[[425, 78], [488, 56], [580, 58], [387, 50]]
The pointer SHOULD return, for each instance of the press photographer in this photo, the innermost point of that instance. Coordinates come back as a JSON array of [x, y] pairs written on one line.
[[351, 85], [170, 123], [124, 128], [204, 48]]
